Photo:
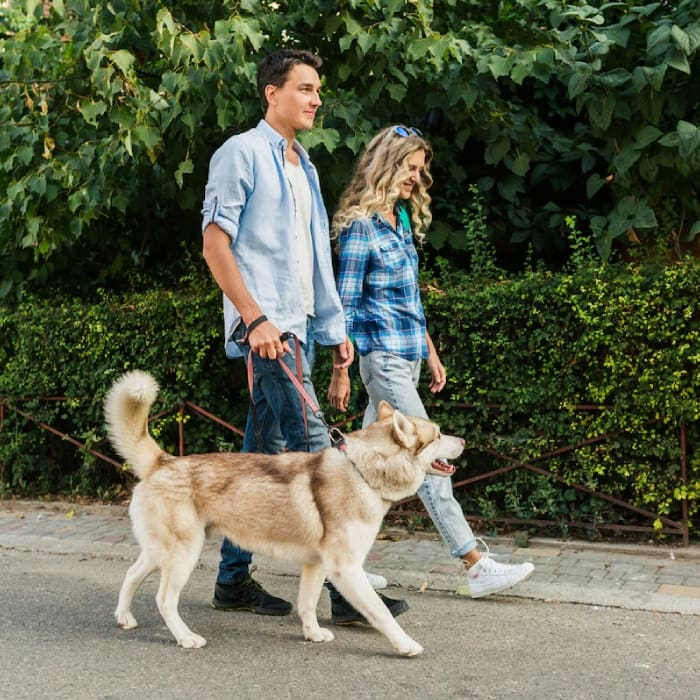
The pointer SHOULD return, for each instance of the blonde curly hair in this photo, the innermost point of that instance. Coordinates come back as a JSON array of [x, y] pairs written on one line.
[[375, 184]]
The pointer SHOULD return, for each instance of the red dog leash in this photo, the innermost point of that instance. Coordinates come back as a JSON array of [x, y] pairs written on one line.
[[336, 436]]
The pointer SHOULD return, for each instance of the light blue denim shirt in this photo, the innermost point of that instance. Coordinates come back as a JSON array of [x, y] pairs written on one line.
[[249, 197]]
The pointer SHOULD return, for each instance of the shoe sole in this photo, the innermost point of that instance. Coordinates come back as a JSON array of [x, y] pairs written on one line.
[[344, 622], [502, 588], [218, 605], [398, 609]]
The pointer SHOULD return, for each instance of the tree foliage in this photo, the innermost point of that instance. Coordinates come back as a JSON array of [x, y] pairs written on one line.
[[110, 112]]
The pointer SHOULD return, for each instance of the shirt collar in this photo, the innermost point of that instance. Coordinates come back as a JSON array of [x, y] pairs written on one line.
[[278, 141]]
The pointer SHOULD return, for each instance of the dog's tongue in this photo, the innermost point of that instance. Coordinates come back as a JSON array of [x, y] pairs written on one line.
[[443, 466]]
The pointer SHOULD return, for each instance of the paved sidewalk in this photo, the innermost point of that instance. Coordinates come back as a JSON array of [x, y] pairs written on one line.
[[663, 579]]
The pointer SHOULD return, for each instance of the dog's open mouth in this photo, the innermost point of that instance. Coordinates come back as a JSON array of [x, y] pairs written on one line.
[[442, 465]]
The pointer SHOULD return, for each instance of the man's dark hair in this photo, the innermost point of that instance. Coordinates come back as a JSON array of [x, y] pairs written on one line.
[[273, 69]]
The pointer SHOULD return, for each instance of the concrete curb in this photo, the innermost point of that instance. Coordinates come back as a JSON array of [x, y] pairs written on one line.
[[642, 577]]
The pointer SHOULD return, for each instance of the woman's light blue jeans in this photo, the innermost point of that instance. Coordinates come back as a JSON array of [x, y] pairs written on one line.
[[395, 380]]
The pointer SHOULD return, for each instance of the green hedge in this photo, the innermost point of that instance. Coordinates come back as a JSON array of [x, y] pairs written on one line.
[[545, 361], [76, 349], [523, 354]]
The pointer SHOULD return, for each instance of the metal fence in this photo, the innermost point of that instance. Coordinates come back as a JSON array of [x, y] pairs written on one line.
[[412, 506]]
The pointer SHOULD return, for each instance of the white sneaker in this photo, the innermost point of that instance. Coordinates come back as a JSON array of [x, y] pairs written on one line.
[[488, 576], [378, 582]]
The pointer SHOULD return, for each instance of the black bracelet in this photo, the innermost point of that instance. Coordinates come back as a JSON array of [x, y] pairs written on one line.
[[254, 324]]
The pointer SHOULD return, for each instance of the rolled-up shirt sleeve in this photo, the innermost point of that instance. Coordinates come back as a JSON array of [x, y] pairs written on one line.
[[228, 188]]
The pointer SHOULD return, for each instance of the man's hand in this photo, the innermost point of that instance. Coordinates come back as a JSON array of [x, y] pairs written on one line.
[[339, 390], [265, 341]]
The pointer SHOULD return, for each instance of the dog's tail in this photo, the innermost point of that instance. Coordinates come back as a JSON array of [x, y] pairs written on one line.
[[126, 408]]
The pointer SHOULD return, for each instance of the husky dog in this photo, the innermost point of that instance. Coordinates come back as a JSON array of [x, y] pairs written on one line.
[[320, 509]]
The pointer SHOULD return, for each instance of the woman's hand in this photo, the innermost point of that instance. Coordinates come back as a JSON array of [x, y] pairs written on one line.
[[437, 370], [343, 354], [339, 389]]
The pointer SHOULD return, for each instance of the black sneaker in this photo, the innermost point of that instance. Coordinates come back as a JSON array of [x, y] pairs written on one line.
[[248, 595], [342, 613]]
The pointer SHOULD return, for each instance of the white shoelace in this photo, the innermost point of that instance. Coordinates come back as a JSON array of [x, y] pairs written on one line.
[[487, 552]]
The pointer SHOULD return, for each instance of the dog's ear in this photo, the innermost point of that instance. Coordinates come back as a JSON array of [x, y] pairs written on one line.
[[384, 410], [404, 430]]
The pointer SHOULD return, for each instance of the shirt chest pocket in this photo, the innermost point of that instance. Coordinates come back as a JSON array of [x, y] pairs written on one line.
[[390, 255]]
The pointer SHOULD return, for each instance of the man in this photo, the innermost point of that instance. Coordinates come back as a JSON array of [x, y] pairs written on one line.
[[266, 242]]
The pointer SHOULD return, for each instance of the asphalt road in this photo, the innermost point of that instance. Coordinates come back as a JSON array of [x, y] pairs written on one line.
[[58, 640]]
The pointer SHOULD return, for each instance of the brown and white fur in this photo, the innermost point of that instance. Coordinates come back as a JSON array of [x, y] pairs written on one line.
[[323, 510]]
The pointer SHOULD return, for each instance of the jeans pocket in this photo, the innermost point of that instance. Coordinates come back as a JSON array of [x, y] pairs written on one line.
[[238, 333]]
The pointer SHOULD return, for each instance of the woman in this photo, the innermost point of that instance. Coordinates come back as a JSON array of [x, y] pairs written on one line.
[[385, 205]]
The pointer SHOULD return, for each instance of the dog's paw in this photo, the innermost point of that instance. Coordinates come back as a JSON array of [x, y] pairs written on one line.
[[192, 641], [410, 648], [321, 634], [126, 620]]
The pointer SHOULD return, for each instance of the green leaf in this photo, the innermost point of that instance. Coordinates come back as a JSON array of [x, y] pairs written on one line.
[[670, 140], [679, 61], [646, 135], [58, 7], [646, 76], [625, 159], [126, 140], [658, 41], [499, 66], [681, 39], [345, 42], [615, 78], [520, 164], [397, 92], [92, 110], [600, 110], [617, 35], [193, 46], [365, 42], [644, 216], [497, 149], [520, 71], [694, 230], [689, 138], [147, 135], [123, 59], [186, 167], [594, 183], [577, 84], [618, 223], [122, 116], [603, 238], [545, 56]]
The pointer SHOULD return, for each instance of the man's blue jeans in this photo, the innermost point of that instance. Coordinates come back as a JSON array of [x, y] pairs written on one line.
[[395, 380], [278, 407]]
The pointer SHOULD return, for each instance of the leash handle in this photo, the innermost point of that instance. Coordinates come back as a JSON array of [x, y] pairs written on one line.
[[336, 436]]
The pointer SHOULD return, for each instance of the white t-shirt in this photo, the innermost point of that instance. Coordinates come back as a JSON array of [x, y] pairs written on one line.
[[302, 221]]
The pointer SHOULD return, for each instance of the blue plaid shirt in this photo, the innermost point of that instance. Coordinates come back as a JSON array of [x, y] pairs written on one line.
[[378, 287]]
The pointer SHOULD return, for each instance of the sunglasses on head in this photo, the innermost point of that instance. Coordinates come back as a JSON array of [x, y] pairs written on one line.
[[404, 131]]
